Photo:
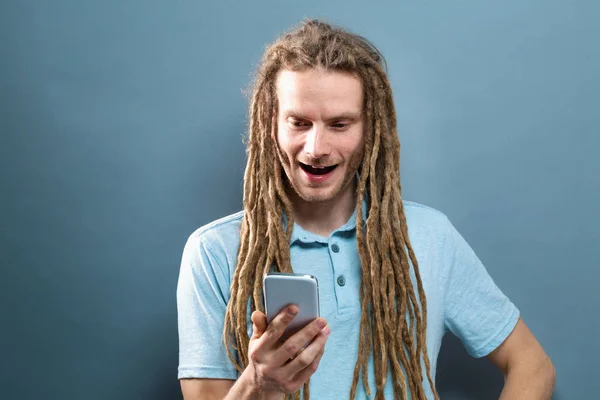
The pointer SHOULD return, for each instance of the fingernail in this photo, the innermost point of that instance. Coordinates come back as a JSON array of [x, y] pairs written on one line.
[[326, 331], [292, 310], [321, 323]]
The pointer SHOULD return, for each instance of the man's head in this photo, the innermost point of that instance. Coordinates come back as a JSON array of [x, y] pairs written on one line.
[[321, 111], [307, 79], [319, 131]]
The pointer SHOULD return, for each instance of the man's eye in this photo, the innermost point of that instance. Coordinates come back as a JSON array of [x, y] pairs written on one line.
[[298, 124], [339, 125]]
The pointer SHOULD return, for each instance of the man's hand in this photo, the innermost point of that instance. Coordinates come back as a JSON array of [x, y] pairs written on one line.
[[281, 368]]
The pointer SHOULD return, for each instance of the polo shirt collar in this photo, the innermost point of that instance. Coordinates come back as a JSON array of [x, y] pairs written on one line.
[[299, 234]]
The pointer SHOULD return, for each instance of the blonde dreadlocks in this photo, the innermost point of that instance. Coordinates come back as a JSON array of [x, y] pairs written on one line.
[[393, 317]]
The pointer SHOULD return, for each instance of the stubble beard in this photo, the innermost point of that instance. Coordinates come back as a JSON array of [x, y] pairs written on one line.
[[349, 176]]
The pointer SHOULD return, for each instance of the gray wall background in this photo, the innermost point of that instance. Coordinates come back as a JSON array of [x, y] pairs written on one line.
[[121, 126]]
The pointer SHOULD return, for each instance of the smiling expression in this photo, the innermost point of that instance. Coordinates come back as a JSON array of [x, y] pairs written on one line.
[[320, 131]]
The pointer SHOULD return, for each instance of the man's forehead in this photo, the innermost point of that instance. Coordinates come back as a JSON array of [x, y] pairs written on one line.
[[327, 93], [291, 79]]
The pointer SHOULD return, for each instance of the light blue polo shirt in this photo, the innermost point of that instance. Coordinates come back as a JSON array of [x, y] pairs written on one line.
[[461, 297]]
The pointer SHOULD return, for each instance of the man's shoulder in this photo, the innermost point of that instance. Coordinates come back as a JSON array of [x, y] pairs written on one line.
[[224, 231], [421, 215]]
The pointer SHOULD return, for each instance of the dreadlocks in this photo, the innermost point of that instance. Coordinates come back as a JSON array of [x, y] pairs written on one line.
[[393, 316]]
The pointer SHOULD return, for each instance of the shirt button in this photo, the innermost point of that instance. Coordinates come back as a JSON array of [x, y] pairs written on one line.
[[341, 280], [335, 248]]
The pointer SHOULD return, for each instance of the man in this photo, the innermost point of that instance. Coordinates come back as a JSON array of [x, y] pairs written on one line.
[[322, 196]]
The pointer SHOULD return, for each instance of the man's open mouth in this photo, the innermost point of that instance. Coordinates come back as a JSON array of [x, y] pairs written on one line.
[[317, 170]]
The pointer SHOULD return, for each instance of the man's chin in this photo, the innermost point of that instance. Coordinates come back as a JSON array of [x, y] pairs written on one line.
[[316, 195]]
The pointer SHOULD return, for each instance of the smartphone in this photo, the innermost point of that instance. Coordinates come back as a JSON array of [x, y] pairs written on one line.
[[283, 289]]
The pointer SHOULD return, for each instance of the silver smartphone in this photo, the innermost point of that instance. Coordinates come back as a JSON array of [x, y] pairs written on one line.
[[283, 289]]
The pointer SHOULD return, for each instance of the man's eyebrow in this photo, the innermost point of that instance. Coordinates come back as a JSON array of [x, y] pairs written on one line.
[[343, 116], [353, 116]]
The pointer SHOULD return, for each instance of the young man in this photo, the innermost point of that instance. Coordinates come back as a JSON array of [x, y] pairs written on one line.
[[322, 196]]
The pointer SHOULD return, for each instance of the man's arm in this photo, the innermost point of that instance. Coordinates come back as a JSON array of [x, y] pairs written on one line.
[[224, 389], [274, 369], [205, 389], [528, 371]]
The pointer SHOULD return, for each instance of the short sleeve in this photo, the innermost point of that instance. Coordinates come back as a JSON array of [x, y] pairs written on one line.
[[202, 295], [475, 309]]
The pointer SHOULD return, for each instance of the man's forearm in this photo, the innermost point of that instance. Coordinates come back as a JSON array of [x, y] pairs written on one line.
[[530, 384], [244, 389]]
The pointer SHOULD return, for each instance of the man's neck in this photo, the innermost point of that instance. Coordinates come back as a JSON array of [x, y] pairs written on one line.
[[325, 217]]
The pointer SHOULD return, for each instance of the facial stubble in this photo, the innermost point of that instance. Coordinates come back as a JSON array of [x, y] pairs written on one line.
[[354, 165]]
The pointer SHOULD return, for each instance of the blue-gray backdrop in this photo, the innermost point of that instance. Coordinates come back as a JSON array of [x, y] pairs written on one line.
[[121, 126]]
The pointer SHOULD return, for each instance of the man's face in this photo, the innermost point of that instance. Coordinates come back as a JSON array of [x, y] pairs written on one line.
[[320, 131]]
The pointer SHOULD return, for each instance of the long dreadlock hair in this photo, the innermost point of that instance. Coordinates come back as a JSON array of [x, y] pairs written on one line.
[[393, 317]]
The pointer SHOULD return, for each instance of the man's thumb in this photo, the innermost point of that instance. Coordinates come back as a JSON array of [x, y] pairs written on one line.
[[259, 324]]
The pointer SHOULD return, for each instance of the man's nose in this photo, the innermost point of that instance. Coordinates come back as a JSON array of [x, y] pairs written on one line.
[[317, 142]]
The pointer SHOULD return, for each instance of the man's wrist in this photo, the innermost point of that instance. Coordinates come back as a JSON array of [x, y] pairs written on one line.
[[246, 388]]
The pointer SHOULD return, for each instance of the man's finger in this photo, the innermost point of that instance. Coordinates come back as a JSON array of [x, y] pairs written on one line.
[[296, 342], [307, 356], [279, 323], [303, 375], [259, 324]]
